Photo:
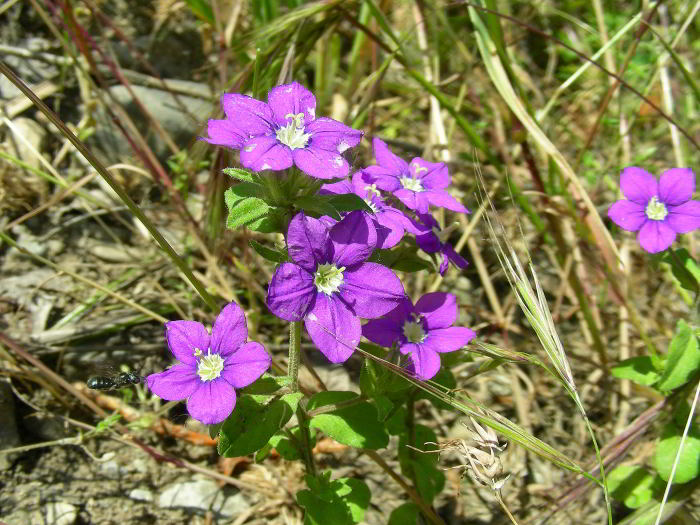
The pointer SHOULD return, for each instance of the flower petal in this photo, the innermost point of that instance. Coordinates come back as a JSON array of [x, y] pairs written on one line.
[[291, 99], [384, 332], [230, 330], [442, 199], [448, 339], [656, 236], [386, 159], [333, 328], [628, 215], [390, 229], [425, 362], [308, 242], [176, 383], [354, 239], [246, 365], [224, 133], [371, 290], [250, 116], [291, 292], [212, 402], [382, 177], [432, 175], [638, 185], [456, 259], [684, 218], [320, 163], [332, 135], [266, 153], [389, 328], [439, 309], [676, 186], [413, 200], [336, 188], [184, 337]]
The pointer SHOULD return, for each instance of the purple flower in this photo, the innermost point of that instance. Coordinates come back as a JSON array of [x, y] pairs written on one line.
[[418, 184], [422, 331], [389, 222], [210, 367], [283, 132], [329, 285], [428, 238], [659, 210]]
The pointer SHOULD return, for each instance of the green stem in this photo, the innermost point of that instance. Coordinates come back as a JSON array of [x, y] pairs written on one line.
[[294, 355], [305, 435]]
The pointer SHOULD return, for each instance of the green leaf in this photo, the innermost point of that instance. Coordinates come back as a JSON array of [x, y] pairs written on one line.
[[422, 466], [638, 369], [253, 423], [242, 175], [683, 358], [340, 502], [406, 514], [317, 205], [245, 204], [267, 253], [267, 384], [346, 202], [684, 268], [447, 380], [357, 426], [688, 466], [201, 9], [633, 485]]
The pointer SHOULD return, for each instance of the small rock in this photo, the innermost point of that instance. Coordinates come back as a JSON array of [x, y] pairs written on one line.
[[33, 135], [61, 513], [141, 495], [204, 495], [112, 469]]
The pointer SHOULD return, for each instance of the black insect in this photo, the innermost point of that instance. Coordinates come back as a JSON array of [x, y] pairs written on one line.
[[116, 382]]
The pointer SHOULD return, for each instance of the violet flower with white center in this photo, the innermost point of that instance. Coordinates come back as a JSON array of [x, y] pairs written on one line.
[[284, 132], [329, 285], [391, 224], [422, 331], [659, 210], [417, 185], [429, 239], [210, 367]]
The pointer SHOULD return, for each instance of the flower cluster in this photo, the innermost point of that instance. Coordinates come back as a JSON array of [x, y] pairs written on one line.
[[210, 367], [659, 210]]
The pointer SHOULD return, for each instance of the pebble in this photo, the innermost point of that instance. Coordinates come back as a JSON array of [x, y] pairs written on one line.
[[204, 495], [60, 513]]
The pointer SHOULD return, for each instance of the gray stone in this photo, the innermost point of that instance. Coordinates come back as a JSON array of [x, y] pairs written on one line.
[[203, 495], [61, 513], [26, 150], [31, 71], [141, 495], [183, 125]]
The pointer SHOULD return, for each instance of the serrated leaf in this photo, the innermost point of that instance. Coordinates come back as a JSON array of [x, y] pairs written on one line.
[[683, 358], [357, 425], [243, 206], [638, 369], [340, 502], [688, 467], [252, 424], [633, 485], [267, 253], [241, 174]]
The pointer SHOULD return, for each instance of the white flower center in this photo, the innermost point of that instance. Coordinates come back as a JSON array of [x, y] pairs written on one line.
[[413, 331], [372, 190], [372, 205], [292, 134], [656, 210], [210, 366], [328, 278], [411, 184]]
